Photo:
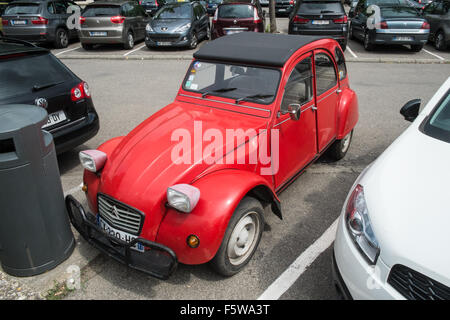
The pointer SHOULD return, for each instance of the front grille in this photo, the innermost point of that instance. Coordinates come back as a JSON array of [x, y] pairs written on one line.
[[119, 215], [416, 286], [165, 38]]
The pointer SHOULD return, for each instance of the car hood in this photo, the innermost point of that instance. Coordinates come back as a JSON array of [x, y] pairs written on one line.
[[170, 24], [407, 190], [145, 163]]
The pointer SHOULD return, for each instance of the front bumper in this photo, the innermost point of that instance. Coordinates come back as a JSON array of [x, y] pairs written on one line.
[[157, 260], [172, 40]]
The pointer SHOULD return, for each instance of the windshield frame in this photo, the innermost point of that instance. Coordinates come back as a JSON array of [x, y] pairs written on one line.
[[432, 131], [212, 94]]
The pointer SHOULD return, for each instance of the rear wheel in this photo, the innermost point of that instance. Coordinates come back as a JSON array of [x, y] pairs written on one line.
[[129, 41], [367, 45], [439, 41], [241, 238], [339, 148], [61, 38], [416, 47]]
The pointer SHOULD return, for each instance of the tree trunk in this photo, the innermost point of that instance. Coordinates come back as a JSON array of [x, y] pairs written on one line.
[[273, 19]]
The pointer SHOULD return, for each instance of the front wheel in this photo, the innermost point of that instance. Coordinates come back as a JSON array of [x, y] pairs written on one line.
[[241, 238], [339, 148], [194, 41]]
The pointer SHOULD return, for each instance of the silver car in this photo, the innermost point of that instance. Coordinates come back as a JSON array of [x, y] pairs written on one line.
[[109, 22], [40, 21]]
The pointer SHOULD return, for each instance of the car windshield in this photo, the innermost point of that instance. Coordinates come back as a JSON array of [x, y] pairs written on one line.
[[21, 75], [438, 124], [147, 2], [99, 11], [236, 11], [233, 81], [320, 7], [398, 12], [181, 11], [22, 8]]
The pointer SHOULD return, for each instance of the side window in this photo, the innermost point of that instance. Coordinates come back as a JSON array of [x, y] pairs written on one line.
[[299, 86], [430, 8], [127, 10], [439, 8], [60, 8], [197, 11], [340, 61], [325, 73], [51, 8]]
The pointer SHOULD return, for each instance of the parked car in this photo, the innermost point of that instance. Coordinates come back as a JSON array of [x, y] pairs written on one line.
[[438, 16], [3, 6], [284, 7], [178, 25], [112, 22], [151, 6], [400, 25], [393, 229], [145, 190], [233, 17], [264, 3], [39, 21], [211, 6], [325, 18], [32, 75]]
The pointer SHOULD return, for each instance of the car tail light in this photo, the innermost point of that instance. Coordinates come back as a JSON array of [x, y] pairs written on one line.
[[82, 20], [156, 3], [291, 2], [425, 25], [341, 20], [216, 15], [383, 25], [256, 18], [5, 22], [300, 20], [39, 20], [79, 92], [117, 19]]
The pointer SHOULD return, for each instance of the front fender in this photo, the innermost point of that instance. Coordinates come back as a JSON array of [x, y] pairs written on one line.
[[348, 113], [220, 193]]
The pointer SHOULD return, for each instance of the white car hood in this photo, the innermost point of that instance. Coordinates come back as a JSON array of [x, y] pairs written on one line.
[[407, 191]]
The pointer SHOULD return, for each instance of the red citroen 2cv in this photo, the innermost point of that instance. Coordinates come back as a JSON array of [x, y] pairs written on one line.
[[191, 182]]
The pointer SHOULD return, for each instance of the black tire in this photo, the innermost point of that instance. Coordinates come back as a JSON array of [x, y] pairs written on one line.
[[366, 41], [87, 46], [343, 46], [249, 215], [208, 33], [350, 32], [339, 148], [440, 41], [129, 41], [416, 47], [61, 38], [194, 41]]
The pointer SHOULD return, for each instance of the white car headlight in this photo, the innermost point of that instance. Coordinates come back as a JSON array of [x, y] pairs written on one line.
[[183, 28], [183, 197], [92, 160], [359, 225], [148, 28]]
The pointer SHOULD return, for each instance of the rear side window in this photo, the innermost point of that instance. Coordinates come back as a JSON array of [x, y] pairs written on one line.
[[22, 8], [340, 61], [236, 11], [318, 7], [325, 73], [20, 75], [99, 11], [60, 8]]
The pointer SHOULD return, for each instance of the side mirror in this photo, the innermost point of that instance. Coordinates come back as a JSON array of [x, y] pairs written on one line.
[[294, 111], [410, 110]]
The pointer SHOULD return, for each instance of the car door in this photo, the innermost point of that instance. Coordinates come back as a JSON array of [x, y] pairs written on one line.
[[358, 21], [141, 20], [197, 20], [327, 97], [297, 138]]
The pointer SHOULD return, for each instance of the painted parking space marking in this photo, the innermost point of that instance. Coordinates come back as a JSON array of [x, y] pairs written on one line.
[[300, 265], [351, 52], [433, 54], [137, 49], [69, 50]]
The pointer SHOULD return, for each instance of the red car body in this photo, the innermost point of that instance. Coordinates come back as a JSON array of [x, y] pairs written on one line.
[[139, 168]]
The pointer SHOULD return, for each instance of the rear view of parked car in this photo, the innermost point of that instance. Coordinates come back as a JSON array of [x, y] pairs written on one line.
[[32, 75], [112, 22], [399, 25], [151, 6], [211, 6], [178, 25], [326, 18], [438, 16], [284, 7], [235, 17], [3, 6], [39, 21]]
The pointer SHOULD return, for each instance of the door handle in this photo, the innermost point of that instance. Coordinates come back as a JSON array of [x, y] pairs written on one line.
[[314, 108], [338, 91]]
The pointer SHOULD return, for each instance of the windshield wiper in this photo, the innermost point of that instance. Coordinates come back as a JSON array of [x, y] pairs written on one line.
[[207, 93], [258, 96], [38, 87]]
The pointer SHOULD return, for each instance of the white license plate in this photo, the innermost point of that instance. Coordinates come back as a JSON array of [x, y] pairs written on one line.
[[232, 31], [18, 22], [403, 38], [163, 43], [54, 118], [97, 34], [320, 22], [281, 10], [124, 236]]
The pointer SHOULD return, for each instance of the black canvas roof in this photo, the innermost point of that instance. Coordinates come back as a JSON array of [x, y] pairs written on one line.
[[254, 48], [13, 46]]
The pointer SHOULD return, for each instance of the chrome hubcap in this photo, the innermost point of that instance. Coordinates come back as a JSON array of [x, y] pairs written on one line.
[[346, 142], [63, 38], [243, 238], [130, 40]]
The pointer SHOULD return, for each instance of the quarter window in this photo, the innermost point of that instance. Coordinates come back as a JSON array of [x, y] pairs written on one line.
[[325, 73], [298, 89]]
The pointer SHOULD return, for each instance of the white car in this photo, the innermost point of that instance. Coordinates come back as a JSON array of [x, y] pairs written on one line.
[[393, 236]]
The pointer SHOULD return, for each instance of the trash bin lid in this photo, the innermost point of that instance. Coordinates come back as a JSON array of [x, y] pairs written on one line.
[[17, 116]]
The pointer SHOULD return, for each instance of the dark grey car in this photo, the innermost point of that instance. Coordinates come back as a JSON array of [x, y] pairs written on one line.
[[437, 14], [284, 7], [113, 22], [40, 21], [181, 24]]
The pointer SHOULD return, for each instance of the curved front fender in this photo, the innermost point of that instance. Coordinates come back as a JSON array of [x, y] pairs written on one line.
[[220, 193], [348, 113]]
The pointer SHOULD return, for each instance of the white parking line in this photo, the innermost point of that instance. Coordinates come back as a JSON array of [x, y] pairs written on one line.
[[433, 54], [57, 54], [73, 190], [351, 52], [296, 269], [129, 52]]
